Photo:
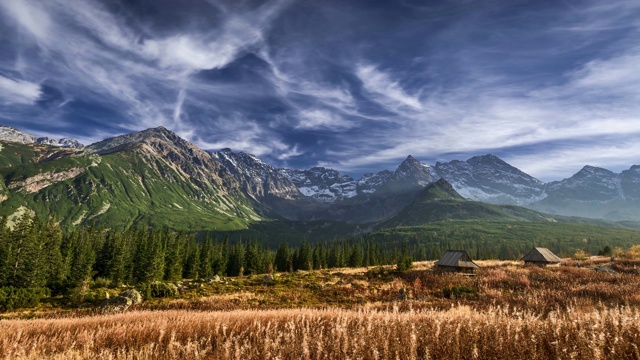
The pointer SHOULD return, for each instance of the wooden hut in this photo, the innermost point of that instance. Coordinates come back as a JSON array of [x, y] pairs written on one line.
[[456, 261], [542, 257]]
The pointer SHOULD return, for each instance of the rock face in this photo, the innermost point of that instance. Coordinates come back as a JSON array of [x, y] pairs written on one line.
[[160, 144], [489, 179], [257, 179], [594, 192], [411, 175], [322, 184], [41, 181], [8, 133]]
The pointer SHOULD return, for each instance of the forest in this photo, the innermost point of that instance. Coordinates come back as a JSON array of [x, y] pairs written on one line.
[[38, 258]]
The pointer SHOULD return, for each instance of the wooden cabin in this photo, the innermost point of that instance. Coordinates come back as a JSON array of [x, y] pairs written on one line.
[[456, 261], [541, 257]]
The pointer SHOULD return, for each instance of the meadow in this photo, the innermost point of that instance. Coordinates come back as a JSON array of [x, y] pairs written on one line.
[[507, 311]]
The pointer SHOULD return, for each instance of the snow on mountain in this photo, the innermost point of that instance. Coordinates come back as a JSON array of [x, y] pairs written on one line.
[[589, 184], [257, 178], [489, 179], [322, 184], [409, 176], [8, 133], [370, 183]]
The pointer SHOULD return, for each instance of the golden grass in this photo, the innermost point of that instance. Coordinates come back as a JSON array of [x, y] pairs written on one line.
[[505, 312], [458, 333]]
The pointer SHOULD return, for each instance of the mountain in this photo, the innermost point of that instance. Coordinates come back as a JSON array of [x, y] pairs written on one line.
[[411, 175], [439, 201], [595, 193], [321, 184], [489, 179], [155, 177], [14, 135], [151, 177]]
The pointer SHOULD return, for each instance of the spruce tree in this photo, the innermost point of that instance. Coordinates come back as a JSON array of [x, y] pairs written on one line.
[[252, 263], [283, 258]]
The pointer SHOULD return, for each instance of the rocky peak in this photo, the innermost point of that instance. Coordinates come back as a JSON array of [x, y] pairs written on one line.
[[8, 133], [370, 183], [630, 182], [409, 176], [148, 136], [490, 179], [257, 179], [590, 183], [589, 171], [322, 184]]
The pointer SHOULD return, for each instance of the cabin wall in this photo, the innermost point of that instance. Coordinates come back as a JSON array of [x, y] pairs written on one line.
[[541, 264]]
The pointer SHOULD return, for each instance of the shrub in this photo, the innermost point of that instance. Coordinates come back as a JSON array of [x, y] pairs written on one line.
[[458, 291], [13, 298], [100, 283], [157, 290]]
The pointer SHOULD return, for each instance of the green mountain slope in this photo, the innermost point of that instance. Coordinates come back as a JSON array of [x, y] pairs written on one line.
[[153, 179], [439, 201]]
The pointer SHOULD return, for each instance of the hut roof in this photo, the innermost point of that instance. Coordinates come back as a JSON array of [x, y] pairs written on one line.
[[457, 258], [540, 254]]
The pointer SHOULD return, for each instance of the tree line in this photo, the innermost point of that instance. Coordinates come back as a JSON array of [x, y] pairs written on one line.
[[35, 254]]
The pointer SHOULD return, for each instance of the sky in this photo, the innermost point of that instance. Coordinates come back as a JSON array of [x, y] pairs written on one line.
[[548, 86]]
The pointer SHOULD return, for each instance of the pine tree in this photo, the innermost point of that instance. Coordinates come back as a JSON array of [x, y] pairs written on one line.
[[26, 256], [175, 247], [192, 260], [355, 258], [252, 264], [283, 258], [303, 259], [235, 261]]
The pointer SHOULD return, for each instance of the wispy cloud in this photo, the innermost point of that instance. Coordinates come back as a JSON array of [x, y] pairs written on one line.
[[321, 119], [18, 91], [386, 91]]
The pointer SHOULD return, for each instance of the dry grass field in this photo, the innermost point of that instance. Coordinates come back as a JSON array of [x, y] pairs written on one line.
[[505, 312]]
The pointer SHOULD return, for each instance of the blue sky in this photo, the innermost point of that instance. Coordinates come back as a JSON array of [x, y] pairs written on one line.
[[549, 86]]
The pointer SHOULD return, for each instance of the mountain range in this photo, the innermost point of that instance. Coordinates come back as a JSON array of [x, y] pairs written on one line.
[[155, 177]]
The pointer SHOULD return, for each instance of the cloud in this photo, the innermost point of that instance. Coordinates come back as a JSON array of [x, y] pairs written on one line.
[[385, 90], [18, 91], [312, 119], [30, 18]]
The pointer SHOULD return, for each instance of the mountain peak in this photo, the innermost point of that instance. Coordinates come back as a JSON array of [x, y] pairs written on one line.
[[485, 159], [145, 136], [588, 170], [8, 133]]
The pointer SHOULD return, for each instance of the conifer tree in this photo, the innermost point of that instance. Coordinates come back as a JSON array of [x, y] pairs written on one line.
[[252, 263], [283, 258], [192, 260], [235, 261], [175, 246], [355, 258]]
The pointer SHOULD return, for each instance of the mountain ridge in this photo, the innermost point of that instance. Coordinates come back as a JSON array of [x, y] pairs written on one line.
[[325, 194]]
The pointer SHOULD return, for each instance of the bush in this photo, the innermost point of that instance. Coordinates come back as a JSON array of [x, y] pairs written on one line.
[[404, 263], [14, 298], [101, 283], [457, 291], [157, 290]]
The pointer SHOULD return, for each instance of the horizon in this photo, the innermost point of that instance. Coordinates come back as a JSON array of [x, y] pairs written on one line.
[[547, 87]]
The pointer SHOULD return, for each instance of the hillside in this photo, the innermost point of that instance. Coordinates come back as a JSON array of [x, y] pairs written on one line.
[[439, 201], [151, 178]]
